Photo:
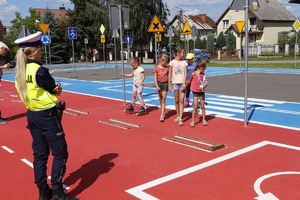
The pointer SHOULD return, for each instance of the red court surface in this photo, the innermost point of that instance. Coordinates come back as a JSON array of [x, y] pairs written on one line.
[[111, 163]]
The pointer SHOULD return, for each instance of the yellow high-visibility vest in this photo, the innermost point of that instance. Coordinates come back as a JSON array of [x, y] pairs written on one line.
[[37, 98]]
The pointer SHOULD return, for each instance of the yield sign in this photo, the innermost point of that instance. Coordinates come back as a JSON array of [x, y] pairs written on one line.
[[240, 25], [296, 25], [155, 25], [186, 29], [44, 27]]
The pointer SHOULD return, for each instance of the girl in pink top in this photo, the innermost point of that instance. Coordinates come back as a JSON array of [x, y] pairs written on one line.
[[161, 72], [177, 73], [198, 83]]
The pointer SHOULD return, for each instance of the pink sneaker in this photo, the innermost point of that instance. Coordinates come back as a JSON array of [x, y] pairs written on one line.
[[186, 104]]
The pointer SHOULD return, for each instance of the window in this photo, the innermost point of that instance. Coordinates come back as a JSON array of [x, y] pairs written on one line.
[[225, 23], [252, 38]]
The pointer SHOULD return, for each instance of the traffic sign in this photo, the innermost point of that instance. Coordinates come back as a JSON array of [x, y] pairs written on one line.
[[44, 27], [158, 37], [72, 32], [186, 29], [45, 39], [128, 39], [296, 25], [102, 39], [194, 31], [102, 29], [155, 26], [114, 18], [240, 25]]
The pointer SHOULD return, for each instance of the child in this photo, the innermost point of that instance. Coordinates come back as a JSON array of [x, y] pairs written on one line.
[[177, 73], [190, 68], [161, 73], [138, 84], [198, 84]]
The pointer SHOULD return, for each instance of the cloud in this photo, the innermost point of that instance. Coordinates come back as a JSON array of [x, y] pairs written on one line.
[[7, 12]]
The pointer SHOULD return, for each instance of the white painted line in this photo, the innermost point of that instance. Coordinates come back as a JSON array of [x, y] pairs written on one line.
[[138, 191], [7, 149], [209, 99], [269, 195], [27, 162]]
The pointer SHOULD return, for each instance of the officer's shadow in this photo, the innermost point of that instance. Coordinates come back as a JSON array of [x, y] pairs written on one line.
[[89, 172]]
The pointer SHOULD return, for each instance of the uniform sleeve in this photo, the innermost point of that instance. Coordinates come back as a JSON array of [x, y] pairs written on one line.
[[45, 80]]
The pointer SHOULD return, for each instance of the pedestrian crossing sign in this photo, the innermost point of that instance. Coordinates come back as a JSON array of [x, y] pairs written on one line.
[[186, 29], [156, 26]]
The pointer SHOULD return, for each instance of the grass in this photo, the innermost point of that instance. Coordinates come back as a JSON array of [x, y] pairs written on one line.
[[285, 62]]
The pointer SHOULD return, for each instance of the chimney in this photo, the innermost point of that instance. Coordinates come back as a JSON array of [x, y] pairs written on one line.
[[202, 17]]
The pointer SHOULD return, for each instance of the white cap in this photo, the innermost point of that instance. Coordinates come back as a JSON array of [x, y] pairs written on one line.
[[3, 45], [30, 40]]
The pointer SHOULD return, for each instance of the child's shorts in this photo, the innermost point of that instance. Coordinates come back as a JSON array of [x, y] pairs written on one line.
[[198, 94], [163, 86], [176, 86], [138, 89]]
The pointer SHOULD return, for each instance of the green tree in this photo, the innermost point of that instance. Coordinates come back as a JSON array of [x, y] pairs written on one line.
[[88, 15], [230, 42], [17, 23], [210, 42], [221, 41]]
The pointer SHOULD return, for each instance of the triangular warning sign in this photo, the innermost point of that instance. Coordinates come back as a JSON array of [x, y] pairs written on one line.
[[186, 29], [44, 27], [240, 25], [156, 26]]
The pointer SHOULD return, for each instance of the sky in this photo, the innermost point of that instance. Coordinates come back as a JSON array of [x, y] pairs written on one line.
[[212, 8]]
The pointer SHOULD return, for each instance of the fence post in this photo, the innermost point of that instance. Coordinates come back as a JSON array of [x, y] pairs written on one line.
[[286, 49], [276, 48]]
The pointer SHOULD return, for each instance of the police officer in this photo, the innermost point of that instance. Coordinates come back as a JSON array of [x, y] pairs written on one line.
[[3, 65], [38, 90]]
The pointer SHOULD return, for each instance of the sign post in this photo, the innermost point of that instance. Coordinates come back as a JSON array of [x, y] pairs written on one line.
[[186, 31], [156, 27], [45, 39], [119, 18], [170, 35], [72, 33], [115, 35], [296, 26], [102, 29], [240, 26]]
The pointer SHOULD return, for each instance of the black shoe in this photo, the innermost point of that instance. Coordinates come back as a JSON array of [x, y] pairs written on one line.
[[61, 195], [2, 120], [45, 194]]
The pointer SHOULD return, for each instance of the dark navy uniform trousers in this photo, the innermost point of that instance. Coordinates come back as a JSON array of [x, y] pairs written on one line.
[[48, 135]]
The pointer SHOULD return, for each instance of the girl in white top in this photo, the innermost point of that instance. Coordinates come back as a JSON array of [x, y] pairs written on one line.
[[177, 75], [138, 82]]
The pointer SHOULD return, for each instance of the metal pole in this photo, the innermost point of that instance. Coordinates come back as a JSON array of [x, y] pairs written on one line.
[[296, 48], [49, 48], [86, 59], [156, 53], [241, 47], [115, 42], [73, 59], [122, 56], [246, 65], [46, 55], [170, 44]]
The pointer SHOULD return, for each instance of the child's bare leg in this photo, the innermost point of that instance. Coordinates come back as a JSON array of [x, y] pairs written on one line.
[[176, 96], [163, 102], [181, 100]]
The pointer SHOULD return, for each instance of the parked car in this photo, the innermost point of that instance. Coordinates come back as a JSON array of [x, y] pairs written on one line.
[[201, 54]]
